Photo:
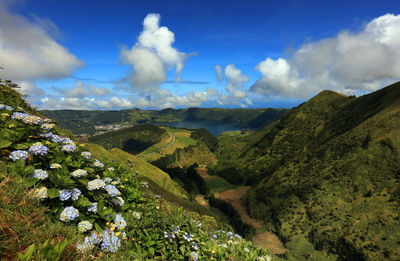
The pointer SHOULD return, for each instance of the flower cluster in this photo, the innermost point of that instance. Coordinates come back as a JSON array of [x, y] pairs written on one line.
[[68, 148], [112, 191], [69, 214], [33, 120], [79, 173], [95, 184], [84, 226], [55, 138], [40, 193], [119, 221], [64, 194], [86, 154], [19, 115], [38, 149], [18, 154], [40, 174], [55, 166], [67, 141], [264, 258], [47, 126], [110, 242], [97, 164], [9, 108]]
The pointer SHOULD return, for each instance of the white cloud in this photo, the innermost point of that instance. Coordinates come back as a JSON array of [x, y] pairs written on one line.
[[152, 56], [218, 70], [28, 52], [147, 69], [68, 104], [82, 90], [349, 63], [236, 79]]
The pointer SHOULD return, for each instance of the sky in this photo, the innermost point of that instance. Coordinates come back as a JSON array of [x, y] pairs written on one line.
[[103, 55]]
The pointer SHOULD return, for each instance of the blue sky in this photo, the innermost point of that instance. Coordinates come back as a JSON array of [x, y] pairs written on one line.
[[89, 54]]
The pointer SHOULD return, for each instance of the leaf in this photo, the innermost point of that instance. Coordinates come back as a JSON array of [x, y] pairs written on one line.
[[98, 227], [29, 182], [53, 193], [20, 146], [100, 206], [27, 256], [5, 144]]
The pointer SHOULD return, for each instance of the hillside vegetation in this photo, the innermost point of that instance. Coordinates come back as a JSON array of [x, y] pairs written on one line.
[[326, 177], [60, 202], [133, 140]]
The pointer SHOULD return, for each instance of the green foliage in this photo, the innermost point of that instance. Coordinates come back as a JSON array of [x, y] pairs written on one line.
[[326, 176], [132, 140], [233, 216], [205, 136]]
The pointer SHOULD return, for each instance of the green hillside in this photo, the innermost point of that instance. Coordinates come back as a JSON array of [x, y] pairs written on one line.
[[130, 161], [133, 140], [60, 202], [326, 176]]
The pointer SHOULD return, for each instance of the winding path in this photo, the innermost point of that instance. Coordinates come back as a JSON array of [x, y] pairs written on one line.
[[163, 147]]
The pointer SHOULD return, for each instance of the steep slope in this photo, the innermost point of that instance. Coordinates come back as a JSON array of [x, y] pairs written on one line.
[[327, 176], [130, 161]]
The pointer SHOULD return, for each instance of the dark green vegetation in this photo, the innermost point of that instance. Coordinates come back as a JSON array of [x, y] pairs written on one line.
[[132, 140], [326, 177], [80, 122]]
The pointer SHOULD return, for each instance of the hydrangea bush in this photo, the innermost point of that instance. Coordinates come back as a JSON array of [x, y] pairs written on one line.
[[110, 206]]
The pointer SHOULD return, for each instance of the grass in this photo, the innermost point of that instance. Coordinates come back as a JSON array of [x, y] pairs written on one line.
[[24, 221], [214, 183]]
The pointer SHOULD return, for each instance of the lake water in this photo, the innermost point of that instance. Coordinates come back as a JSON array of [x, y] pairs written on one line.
[[215, 129]]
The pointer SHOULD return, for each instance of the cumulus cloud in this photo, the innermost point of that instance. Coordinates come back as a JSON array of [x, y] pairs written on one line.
[[349, 63], [152, 56], [82, 90], [28, 52], [218, 70], [68, 104], [236, 79]]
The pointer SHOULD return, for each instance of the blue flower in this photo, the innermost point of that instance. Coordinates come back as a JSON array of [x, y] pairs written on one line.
[[18, 154], [67, 141], [46, 135], [55, 138], [85, 246], [84, 226], [93, 208], [188, 237], [86, 154], [68, 148], [38, 149], [107, 180], [9, 108], [194, 256], [111, 242], [69, 214], [47, 126], [19, 115], [195, 246], [119, 221], [65, 194], [112, 191], [75, 194], [97, 164], [40, 174]]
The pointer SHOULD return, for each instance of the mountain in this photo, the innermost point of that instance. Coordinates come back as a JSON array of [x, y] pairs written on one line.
[[326, 176], [86, 122]]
